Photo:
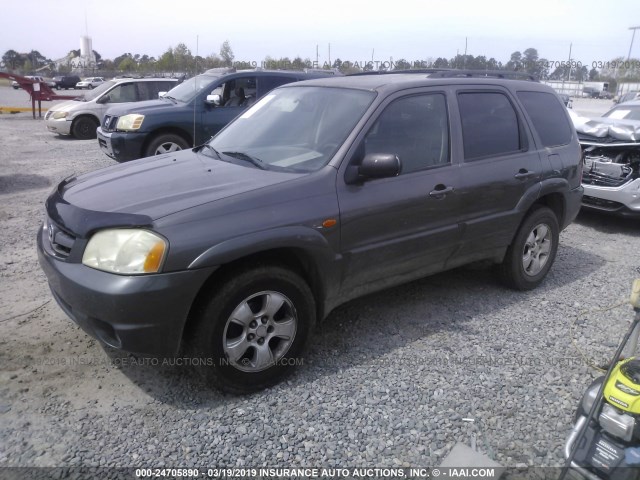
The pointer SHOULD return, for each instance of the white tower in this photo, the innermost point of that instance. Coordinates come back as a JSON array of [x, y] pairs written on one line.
[[87, 56]]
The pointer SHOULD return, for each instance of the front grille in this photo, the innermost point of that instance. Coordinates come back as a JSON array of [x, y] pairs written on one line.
[[109, 123], [48, 114], [601, 203], [603, 180], [61, 242]]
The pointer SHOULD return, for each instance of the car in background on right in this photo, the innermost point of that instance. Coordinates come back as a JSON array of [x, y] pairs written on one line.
[[611, 160], [627, 97]]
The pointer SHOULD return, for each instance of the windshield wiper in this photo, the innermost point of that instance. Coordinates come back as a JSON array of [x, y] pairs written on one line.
[[170, 98], [206, 145], [243, 156]]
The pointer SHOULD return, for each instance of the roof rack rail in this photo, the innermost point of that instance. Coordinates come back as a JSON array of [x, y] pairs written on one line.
[[455, 73]]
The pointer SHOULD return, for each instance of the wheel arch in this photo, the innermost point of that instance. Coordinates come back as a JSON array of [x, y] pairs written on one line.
[[299, 260], [166, 131], [92, 116]]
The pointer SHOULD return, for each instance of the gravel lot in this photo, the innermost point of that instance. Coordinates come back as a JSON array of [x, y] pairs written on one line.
[[387, 381]]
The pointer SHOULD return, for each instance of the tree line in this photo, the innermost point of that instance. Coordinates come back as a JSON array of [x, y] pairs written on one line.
[[180, 59]]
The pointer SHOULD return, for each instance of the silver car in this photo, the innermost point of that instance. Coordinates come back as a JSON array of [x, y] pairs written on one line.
[[611, 165], [81, 116]]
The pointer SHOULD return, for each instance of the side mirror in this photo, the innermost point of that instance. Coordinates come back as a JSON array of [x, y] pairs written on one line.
[[213, 100], [104, 99], [161, 94], [374, 165]]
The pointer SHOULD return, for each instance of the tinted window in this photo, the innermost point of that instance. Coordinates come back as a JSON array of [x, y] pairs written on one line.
[[548, 117], [268, 83], [415, 129], [489, 124]]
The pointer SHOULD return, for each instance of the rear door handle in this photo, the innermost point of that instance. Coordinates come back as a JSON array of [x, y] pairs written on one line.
[[440, 191], [523, 174]]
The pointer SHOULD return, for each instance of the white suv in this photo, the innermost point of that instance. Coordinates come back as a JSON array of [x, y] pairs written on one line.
[[90, 83]]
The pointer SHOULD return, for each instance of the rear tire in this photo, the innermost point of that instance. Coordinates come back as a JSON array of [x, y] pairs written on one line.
[[165, 143], [252, 330], [532, 252], [84, 128]]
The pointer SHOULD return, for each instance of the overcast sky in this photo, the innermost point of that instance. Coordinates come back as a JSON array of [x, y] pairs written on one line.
[[358, 30]]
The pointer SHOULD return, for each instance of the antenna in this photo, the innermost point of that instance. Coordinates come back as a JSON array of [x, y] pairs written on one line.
[[195, 88]]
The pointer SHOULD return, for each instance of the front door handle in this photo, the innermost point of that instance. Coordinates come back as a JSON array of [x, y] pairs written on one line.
[[524, 174], [440, 191]]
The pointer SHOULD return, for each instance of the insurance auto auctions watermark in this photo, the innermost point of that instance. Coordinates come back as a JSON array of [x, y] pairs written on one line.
[[383, 361], [387, 65]]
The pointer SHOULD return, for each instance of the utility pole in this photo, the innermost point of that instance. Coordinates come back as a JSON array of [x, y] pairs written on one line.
[[570, 47], [632, 37]]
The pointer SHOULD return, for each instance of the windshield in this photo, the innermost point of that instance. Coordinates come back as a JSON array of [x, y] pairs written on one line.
[[190, 88], [96, 92], [295, 129], [626, 112]]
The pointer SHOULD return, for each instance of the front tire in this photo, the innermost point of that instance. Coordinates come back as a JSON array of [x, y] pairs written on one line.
[[84, 128], [252, 331], [532, 252], [165, 143]]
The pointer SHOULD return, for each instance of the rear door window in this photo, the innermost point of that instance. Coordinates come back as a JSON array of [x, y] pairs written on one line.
[[489, 125], [548, 117]]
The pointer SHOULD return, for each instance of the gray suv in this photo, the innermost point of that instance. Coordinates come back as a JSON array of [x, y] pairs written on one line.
[[323, 191]]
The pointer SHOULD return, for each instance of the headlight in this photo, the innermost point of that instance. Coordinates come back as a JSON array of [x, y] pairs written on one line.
[[127, 251], [130, 122], [59, 115]]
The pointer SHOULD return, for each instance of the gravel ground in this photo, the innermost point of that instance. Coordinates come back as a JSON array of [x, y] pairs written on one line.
[[387, 381]]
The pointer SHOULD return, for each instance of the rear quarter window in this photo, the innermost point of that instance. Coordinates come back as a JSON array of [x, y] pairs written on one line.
[[548, 117]]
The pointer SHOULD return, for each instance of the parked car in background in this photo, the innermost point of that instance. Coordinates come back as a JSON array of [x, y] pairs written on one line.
[[80, 117], [629, 110], [90, 83], [566, 99], [611, 171], [65, 81], [189, 114], [321, 192], [36, 78], [627, 97]]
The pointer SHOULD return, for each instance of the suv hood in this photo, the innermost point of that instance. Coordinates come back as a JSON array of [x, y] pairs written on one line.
[[145, 107], [67, 106], [162, 185]]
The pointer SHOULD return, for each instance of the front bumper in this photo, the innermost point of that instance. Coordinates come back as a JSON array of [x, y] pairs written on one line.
[[121, 146], [143, 314], [61, 126], [623, 200]]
